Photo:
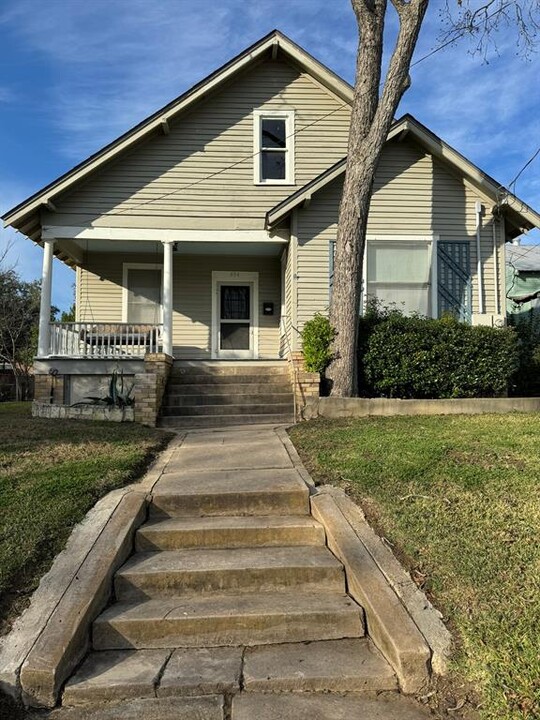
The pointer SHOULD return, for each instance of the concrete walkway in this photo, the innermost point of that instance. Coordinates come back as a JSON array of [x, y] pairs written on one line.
[[230, 528]]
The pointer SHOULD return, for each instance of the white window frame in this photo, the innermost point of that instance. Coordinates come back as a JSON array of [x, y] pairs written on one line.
[[258, 117], [431, 242], [126, 267], [232, 277]]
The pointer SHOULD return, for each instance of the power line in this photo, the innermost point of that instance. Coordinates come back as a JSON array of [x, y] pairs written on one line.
[[305, 127], [514, 181]]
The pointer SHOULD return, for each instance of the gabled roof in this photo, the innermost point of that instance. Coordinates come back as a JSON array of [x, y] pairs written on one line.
[[272, 44], [518, 213]]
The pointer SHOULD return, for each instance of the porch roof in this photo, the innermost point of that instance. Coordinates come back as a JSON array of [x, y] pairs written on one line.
[[79, 241], [520, 217]]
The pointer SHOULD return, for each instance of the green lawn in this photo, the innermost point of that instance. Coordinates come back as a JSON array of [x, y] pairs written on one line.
[[51, 473], [459, 498]]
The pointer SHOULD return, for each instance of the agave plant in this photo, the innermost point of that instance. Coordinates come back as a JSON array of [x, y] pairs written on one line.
[[120, 393]]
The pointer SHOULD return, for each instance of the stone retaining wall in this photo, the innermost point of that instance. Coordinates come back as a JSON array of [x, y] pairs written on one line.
[[362, 407], [82, 412]]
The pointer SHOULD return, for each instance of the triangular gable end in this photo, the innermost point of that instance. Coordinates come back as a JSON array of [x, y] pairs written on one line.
[[25, 216]]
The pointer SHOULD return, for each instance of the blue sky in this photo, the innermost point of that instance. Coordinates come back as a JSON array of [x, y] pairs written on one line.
[[75, 74]]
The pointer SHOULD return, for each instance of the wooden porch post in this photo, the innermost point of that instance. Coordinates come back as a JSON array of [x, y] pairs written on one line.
[[167, 296], [45, 306]]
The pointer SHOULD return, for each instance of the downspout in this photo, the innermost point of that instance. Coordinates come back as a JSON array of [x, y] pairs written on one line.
[[494, 225], [479, 271]]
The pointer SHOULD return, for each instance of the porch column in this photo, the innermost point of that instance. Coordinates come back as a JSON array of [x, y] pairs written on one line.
[[167, 296], [45, 307]]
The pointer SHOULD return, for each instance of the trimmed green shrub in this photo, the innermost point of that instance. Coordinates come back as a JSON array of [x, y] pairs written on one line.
[[317, 337], [416, 357]]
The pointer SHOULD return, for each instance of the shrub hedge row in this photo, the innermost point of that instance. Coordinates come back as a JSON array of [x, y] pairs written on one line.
[[417, 357]]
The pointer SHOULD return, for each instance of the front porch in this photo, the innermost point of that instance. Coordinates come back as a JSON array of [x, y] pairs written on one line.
[[222, 298], [153, 309]]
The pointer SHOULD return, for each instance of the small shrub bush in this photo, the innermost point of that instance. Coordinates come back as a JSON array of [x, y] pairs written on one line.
[[317, 337], [416, 357]]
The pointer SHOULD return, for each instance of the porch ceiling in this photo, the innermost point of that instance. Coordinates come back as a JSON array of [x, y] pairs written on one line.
[[257, 249]]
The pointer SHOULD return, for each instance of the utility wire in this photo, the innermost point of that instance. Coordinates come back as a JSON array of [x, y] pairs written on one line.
[[532, 159], [444, 45]]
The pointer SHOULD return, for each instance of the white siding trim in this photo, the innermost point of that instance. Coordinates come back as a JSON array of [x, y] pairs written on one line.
[[157, 235]]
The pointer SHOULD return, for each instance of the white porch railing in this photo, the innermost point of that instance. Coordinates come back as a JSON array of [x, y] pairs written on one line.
[[104, 340]]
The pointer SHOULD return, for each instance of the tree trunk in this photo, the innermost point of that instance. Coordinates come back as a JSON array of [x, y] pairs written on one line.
[[371, 119]]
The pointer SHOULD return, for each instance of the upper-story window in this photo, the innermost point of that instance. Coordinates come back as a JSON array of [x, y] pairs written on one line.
[[273, 147]]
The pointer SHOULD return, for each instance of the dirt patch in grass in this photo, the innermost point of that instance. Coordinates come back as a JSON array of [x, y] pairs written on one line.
[[51, 473], [458, 499]]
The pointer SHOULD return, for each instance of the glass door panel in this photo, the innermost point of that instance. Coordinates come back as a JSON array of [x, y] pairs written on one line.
[[235, 325]]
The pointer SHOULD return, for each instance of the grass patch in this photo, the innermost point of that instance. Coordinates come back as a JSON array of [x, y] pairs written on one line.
[[51, 473], [459, 498]]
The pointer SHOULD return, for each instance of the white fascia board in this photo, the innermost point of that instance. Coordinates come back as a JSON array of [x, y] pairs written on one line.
[[60, 232]]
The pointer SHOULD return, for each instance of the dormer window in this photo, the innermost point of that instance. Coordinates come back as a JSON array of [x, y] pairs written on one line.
[[273, 147]]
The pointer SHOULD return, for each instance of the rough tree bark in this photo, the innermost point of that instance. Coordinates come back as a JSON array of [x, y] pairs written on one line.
[[371, 117]]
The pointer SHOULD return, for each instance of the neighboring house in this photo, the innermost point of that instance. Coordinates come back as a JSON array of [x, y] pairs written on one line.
[[522, 279], [207, 231]]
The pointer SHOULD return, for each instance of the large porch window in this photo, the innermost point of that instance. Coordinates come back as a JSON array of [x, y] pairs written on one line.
[[416, 276], [142, 293], [397, 272]]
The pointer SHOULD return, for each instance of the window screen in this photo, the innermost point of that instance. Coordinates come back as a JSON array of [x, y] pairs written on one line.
[[144, 295], [398, 274]]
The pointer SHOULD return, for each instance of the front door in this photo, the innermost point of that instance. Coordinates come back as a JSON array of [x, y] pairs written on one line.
[[234, 314]]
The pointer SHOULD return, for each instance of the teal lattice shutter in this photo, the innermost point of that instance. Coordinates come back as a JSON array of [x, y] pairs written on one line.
[[454, 280]]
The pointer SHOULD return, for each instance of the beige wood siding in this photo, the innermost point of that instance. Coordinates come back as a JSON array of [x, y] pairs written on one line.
[[186, 174], [413, 195], [100, 296]]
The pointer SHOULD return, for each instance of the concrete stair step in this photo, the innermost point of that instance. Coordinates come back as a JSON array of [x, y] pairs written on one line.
[[221, 370], [175, 572], [264, 398], [350, 665], [274, 408], [232, 379], [320, 706], [228, 619], [209, 707], [233, 492], [193, 422], [229, 532], [326, 666], [116, 675], [175, 389]]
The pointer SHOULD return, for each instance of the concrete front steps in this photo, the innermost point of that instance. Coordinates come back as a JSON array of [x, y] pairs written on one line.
[[232, 608], [201, 395]]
